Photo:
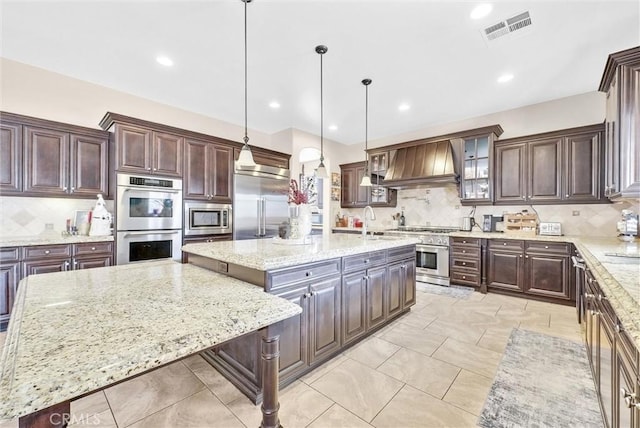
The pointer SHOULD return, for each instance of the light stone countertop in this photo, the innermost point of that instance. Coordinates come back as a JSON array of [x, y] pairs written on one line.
[[359, 229], [614, 264], [103, 325], [268, 254], [50, 239]]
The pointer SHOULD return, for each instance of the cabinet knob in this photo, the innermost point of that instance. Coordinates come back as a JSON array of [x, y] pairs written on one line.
[[520, 255], [464, 277], [73, 189], [93, 248], [148, 169], [75, 264], [629, 398], [566, 196], [524, 197], [366, 260], [464, 251], [66, 265], [309, 273], [155, 169], [618, 328], [589, 296], [64, 189], [546, 246], [526, 257], [307, 295], [464, 263], [464, 242], [47, 251]]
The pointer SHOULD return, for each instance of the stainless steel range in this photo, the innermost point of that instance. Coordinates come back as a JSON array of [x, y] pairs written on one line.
[[432, 253]]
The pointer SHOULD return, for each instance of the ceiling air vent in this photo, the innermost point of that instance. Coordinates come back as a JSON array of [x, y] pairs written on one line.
[[507, 26]]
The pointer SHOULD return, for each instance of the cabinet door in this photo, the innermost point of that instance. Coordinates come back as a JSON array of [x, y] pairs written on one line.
[[626, 380], [354, 309], [505, 270], [94, 262], [547, 275], [324, 318], [294, 347], [196, 170], [376, 296], [605, 368], [396, 277], [46, 161], [45, 266], [612, 140], [9, 277], [133, 149], [544, 170], [361, 192], [89, 166], [582, 164], [222, 174], [409, 292], [10, 158], [348, 180], [167, 154], [511, 168]]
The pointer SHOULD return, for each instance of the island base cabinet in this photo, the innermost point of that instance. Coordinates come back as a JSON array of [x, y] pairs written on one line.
[[324, 318], [354, 309], [376, 280]]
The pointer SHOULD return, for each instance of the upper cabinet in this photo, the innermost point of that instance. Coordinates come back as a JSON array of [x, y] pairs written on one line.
[[45, 158], [621, 83], [145, 151], [208, 171], [556, 167], [266, 157], [475, 174], [356, 196], [379, 195]]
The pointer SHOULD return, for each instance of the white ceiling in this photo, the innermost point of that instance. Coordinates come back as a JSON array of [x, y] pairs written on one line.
[[428, 54]]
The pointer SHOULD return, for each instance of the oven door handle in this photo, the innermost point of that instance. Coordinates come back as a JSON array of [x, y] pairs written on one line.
[[152, 190], [152, 232]]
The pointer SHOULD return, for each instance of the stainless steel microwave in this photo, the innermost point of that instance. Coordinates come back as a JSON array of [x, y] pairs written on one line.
[[203, 218]]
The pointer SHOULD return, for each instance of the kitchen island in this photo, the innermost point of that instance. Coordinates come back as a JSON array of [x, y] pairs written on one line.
[[348, 288], [103, 326]]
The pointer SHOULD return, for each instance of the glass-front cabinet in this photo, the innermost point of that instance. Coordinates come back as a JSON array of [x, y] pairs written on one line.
[[475, 177], [380, 195]]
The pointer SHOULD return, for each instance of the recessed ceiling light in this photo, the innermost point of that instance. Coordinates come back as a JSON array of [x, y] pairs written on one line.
[[274, 104], [164, 60], [505, 78], [481, 10], [404, 107], [333, 127]]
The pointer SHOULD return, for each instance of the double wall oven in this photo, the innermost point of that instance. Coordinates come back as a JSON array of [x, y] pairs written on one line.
[[148, 218]]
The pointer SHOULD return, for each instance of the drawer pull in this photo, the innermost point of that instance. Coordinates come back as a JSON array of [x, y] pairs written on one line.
[[629, 398], [589, 296], [546, 246], [464, 251], [464, 277], [504, 243], [464, 242], [366, 260], [309, 273], [47, 252], [464, 263], [93, 248]]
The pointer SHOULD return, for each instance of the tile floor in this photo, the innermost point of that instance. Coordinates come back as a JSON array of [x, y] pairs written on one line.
[[431, 368]]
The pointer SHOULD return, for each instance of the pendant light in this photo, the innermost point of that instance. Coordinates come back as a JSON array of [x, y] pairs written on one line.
[[366, 180], [321, 172], [245, 158]]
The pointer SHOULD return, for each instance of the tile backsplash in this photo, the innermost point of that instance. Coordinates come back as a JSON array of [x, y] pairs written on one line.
[[20, 216], [441, 207]]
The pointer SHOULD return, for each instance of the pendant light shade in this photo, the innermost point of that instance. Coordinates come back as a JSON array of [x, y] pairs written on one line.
[[321, 172], [245, 158], [366, 180]]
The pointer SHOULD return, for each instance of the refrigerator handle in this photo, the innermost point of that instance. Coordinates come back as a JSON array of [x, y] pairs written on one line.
[[264, 216], [259, 218]]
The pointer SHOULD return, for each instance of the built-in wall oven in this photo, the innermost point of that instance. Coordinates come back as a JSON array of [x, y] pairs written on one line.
[[204, 218], [148, 218]]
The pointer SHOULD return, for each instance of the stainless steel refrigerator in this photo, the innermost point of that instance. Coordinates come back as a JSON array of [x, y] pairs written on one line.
[[260, 201]]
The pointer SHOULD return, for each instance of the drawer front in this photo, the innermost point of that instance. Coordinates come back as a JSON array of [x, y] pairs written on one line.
[[463, 251], [10, 254], [93, 248], [286, 277], [364, 261], [41, 252], [548, 247], [456, 240], [468, 264], [465, 278], [506, 244], [401, 253]]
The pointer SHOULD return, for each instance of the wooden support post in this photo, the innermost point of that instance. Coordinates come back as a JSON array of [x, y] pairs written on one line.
[[270, 380], [57, 416]]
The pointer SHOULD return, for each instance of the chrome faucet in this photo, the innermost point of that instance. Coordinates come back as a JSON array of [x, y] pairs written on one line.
[[365, 222]]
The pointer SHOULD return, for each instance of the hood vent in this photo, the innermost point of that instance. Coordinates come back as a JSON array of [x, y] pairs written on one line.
[[507, 26], [425, 165]]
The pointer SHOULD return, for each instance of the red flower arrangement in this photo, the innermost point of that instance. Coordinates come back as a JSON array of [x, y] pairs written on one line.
[[296, 195]]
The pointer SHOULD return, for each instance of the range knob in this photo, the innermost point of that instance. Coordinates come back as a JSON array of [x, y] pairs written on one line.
[[440, 241], [430, 241]]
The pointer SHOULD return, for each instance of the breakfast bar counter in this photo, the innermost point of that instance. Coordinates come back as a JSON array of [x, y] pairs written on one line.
[[76, 332]]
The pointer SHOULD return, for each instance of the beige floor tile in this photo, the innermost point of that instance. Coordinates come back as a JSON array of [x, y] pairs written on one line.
[[249, 413], [89, 406], [300, 405], [506, 301], [414, 338], [481, 306], [139, 397], [470, 357], [218, 384], [509, 314], [358, 388], [99, 420], [338, 417], [417, 319], [322, 370], [469, 392], [413, 408], [372, 351], [495, 339], [568, 333], [462, 331], [476, 296], [424, 373], [201, 409]]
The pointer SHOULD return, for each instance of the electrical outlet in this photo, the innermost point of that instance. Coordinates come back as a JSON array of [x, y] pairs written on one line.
[[456, 207], [48, 226], [575, 213]]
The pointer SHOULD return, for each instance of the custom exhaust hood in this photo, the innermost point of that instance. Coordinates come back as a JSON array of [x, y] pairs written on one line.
[[423, 165]]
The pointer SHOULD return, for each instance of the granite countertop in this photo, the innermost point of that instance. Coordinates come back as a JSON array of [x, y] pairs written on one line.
[[359, 229], [104, 325], [267, 254], [50, 239]]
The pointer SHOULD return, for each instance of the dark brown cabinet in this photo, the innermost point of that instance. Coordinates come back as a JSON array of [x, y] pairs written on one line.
[[9, 278], [354, 306], [465, 261], [10, 157], [146, 151], [376, 279], [325, 316], [556, 167], [621, 82], [353, 195], [266, 157], [536, 268], [208, 171]]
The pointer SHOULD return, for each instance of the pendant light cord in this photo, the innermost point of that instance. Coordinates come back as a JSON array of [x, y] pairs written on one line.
[[321, 115], [246, 137]]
